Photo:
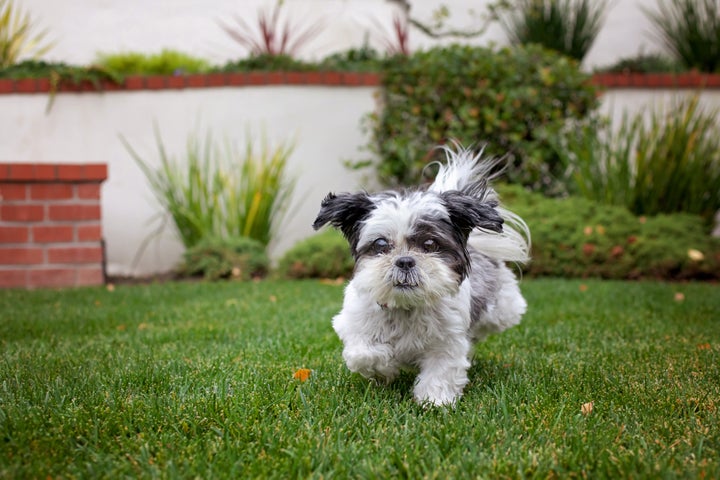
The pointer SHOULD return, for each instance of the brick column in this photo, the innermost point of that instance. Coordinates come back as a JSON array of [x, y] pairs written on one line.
[[50, 230]]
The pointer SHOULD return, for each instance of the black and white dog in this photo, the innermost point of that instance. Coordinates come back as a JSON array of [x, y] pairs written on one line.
[[430, 277]]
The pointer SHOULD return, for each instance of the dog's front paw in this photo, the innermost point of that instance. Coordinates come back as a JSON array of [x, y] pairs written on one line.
[[441, 384], [373, 362], [436, 394]]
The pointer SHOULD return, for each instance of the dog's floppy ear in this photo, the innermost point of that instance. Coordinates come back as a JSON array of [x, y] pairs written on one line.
[[345, 211], [468, 212]]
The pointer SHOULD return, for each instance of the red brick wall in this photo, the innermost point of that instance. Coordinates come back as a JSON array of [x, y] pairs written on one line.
[[50, 230]]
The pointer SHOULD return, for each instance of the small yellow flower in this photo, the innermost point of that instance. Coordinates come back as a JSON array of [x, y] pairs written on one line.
[[695, 255]]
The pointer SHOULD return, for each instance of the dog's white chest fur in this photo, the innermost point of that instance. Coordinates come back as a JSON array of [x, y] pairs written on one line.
[[408, 332]]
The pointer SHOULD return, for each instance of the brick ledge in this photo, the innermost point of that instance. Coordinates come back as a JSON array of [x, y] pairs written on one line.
[[329, 79], [51, 225], [210, 80], [53, 172]]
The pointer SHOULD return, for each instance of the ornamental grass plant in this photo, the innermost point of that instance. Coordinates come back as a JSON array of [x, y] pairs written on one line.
[[690, 31], [668, 162], [19, 35], [566, 26], [218, 191]]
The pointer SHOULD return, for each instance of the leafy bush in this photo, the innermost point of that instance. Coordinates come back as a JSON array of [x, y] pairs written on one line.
[[363, 59], [566, 26], [59, 73], [690, 30], [18, 35], [167, 62], [645, 63], [217, 258], [268, 63], [220, 193], [515, 99], [324, 255], [575, 237], [671, 164]]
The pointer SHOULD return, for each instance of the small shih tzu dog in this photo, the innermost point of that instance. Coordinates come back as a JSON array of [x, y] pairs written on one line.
[[430, 278]]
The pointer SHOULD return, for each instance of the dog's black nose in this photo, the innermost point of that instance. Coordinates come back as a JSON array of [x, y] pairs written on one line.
[[405, 263]]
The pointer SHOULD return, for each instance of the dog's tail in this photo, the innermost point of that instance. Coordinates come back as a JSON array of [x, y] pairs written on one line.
[[471, 173]]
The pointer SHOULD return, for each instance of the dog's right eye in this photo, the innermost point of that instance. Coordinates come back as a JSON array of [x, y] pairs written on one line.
[[381, 246]]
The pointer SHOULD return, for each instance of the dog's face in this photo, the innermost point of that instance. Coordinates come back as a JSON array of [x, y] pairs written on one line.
[[410, 248]]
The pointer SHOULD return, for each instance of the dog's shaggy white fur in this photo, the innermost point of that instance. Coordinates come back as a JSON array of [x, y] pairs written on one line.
[[430, 276]]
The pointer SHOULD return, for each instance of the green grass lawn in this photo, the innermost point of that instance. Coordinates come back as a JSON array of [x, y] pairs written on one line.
[[188, 380]]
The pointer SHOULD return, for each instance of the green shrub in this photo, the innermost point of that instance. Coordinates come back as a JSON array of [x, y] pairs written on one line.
[[222, 258], [363, 59], [324, 255], [669, 164], [645, 63], [59, 73], [167, 62], [575, 237], [268, 63], [690, 30], [566, 26], [515, 99]]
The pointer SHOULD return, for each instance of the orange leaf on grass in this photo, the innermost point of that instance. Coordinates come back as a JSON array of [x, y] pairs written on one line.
[[302, 374]]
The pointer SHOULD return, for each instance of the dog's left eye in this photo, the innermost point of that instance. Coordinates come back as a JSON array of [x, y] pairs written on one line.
[[430, 245]]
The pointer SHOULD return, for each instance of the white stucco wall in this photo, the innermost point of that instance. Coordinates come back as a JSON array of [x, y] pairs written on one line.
[[82, 28], [84, 128], [324, 121]]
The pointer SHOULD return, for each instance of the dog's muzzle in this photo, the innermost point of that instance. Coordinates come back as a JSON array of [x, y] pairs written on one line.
[[404, 274]]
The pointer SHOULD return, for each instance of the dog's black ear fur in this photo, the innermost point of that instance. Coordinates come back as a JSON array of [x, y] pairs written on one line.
[[345, 211], [468, 212]]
